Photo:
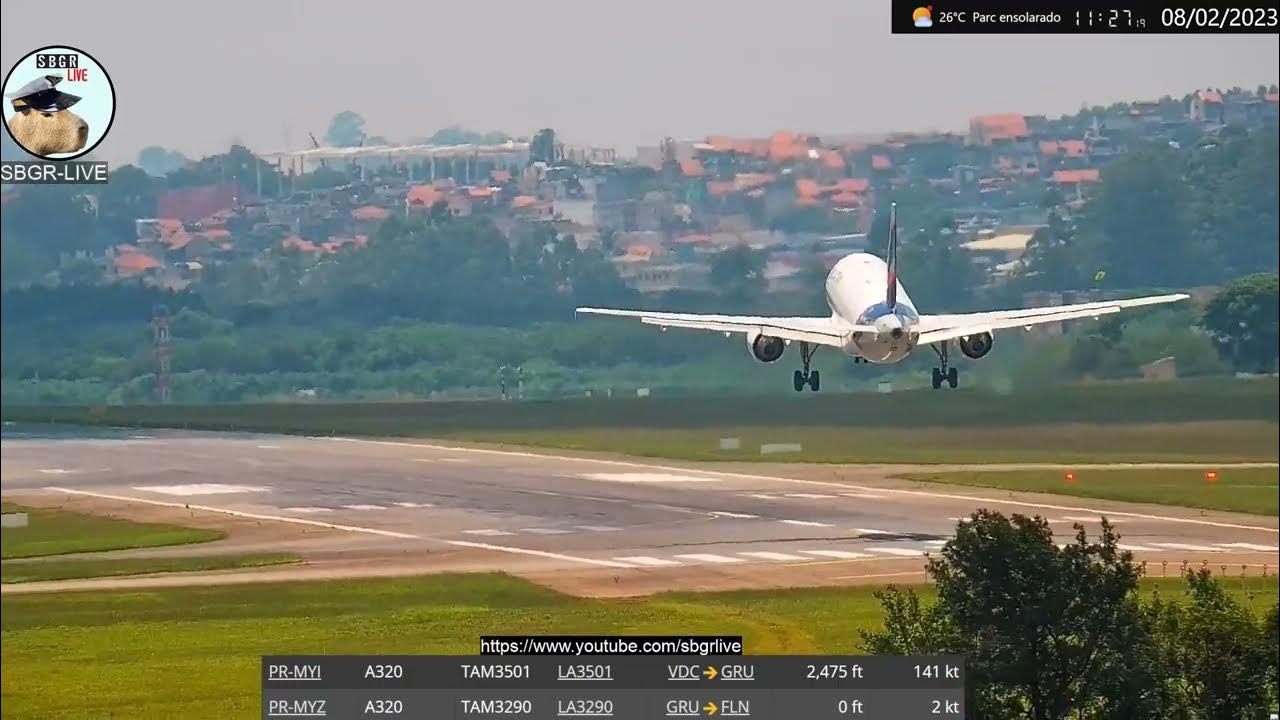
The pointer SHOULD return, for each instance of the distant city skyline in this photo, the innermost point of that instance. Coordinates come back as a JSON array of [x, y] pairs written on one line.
[[198, 77]]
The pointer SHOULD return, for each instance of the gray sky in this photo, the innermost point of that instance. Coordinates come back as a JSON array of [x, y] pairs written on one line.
[[196, 76]]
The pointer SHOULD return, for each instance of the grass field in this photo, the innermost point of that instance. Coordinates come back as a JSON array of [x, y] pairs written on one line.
[[1239, 490], [33, 571], [58, 532], [1218, 419], [194, 652]]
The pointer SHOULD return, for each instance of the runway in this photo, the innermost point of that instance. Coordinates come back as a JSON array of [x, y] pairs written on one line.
[[369, 507]]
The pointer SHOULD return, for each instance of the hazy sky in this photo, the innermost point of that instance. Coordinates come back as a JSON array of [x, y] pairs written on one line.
[[197, 75]]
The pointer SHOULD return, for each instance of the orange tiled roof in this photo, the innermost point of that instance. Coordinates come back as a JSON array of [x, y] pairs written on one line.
[[1069, 148], [523, 201], [293, 242], [1071, 177], [1273, 97], [691, 168], [881, 162], [370, 212], [695, 239], [1000, 127], [807, 188], [500, 176], [1210, 96], [214, 234], [132, 263], [846, 199], [482, 192], [808, 201], [831, 159], [423, 195], [719, 188]]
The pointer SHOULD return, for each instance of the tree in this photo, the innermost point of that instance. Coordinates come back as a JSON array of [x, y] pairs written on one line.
[[543, 147], [1046, 630], [346, 129], [1217, 655], [458, 135], [939, 272], [738, 271], [159, 161], [1244, 318], [1140, 213]]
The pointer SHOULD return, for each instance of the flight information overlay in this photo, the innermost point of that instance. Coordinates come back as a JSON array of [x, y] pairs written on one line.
[[627, 687]]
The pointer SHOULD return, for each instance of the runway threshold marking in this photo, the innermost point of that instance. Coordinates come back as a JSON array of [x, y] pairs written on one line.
[[240, 513], [539, 553], [816, 483]]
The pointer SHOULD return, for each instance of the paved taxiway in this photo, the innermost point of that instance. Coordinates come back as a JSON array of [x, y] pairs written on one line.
[[429, 506]]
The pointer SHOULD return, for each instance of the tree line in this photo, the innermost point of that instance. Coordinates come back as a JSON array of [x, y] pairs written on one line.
[[1051, 633]]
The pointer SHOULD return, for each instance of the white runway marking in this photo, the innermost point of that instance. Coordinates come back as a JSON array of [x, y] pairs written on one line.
[[807, 523], [546, 531], [598, 528], [710, 558], [239, 513], [871, 531], [647, 561], [649, 477], [811, 496], [760, 496], [56, 471], [1186, 546], [1251, 546], [863, 495], [268, 447], [201, 489], [414, 505], [1086, 519], [726, 513], [901, 552], [719, 474], [308, 509], [488, 532], [454, 460], [781, 557], [837, 554], [1137, 548], [364, 507], [539, 553]]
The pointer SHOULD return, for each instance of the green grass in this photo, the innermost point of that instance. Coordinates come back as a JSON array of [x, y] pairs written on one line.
[[34, 571], [1221, 420], [1237, 489], [59, 532], [194, 652]]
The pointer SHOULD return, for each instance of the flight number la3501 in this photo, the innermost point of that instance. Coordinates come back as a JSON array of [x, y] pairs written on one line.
[[833, 672]]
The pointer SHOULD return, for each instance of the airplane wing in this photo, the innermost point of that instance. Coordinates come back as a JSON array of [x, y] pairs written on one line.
[[817, 330], [937, 328]]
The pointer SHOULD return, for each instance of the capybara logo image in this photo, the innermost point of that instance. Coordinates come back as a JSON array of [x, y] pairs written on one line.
[[39, 116]]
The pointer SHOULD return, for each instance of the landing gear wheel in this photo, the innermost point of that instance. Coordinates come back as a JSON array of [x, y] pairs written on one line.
[[798, 381], [815, 381], [953, 378], [805, 376], [937, 378]]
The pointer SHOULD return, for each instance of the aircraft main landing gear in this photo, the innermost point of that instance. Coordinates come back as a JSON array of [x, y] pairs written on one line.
[[946, 373], [806, 377]]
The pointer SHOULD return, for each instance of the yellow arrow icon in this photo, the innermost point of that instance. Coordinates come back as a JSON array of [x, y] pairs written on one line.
[[710, 673], [710, 708]]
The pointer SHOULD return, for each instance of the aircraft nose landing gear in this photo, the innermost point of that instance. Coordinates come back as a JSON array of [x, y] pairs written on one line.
[[946, 373], [806, 377]]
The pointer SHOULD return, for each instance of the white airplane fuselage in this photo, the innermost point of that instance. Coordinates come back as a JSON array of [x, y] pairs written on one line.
[[855, 290]]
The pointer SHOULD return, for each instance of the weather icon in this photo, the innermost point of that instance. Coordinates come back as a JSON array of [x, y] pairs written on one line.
[[923, 16]]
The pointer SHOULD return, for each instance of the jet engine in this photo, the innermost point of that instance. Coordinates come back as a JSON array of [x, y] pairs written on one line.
[[976, 346], [765, 348]]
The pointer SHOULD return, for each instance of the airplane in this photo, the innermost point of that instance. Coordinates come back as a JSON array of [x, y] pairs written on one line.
[[873, 320]]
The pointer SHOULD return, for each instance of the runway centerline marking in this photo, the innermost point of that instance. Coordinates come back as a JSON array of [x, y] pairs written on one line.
[[240, 513], [817, 483], [807, 523], [539, 553], [648, 478]]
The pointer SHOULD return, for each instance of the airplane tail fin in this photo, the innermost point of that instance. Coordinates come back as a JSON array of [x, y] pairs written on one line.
[[891, 259]]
